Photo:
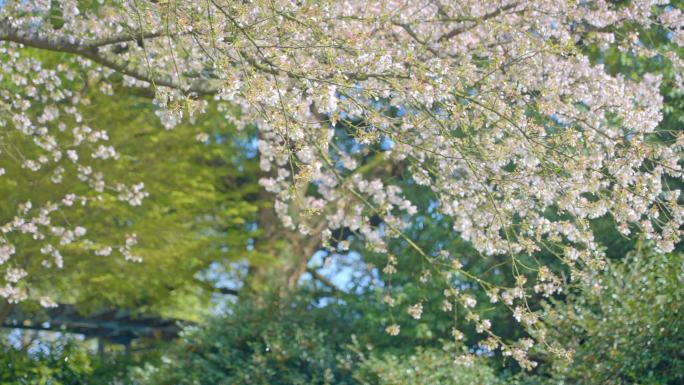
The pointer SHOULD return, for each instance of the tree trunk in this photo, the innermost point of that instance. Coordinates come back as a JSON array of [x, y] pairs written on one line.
[[5, 310], [289, 253]]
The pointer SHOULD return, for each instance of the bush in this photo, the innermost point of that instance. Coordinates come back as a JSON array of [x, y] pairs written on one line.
[[282, 342], [59, 363], [425, 367], [294, 342], [629, 332]]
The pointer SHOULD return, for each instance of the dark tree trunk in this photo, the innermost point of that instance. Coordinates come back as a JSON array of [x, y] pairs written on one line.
[[289, 252]]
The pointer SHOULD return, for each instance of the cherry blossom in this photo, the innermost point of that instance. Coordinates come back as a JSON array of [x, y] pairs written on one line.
[[492, 106]]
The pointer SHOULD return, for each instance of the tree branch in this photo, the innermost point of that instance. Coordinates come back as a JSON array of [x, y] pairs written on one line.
[[228, 291], [325, 281], [90, 50], [213, 289], [124, 38], [463, 28]]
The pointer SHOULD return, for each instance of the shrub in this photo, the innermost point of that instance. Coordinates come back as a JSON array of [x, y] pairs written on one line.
[[424, 367], [628, 329], [281, 342], [58, 363]]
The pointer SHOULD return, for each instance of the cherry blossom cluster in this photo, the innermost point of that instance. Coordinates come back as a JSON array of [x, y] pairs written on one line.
[[43, 132], [493, 106]]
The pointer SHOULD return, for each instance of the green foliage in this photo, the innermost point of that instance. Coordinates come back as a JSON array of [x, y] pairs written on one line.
[[629, 332], [63, 363], [198, 211], [293, 342], [425, 367], [280, 342]]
